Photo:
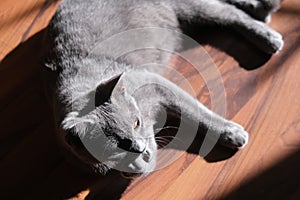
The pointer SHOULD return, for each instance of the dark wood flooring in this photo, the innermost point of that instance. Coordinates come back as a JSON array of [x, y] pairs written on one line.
[[266, 101]]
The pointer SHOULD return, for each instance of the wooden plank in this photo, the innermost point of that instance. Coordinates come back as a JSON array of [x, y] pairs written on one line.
[[19, 21]]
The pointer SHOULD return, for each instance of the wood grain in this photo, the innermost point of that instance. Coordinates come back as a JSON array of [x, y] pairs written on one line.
[[266, 101]]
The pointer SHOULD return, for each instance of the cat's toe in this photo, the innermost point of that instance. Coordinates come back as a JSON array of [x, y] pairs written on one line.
[[234, 136], [276, 42], [268, 19], [268, 40]]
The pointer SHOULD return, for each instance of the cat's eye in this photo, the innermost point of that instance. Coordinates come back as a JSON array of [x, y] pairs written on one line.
[[136, 123]]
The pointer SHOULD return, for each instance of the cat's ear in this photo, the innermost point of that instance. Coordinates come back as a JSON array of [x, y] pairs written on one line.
[[104, 90]]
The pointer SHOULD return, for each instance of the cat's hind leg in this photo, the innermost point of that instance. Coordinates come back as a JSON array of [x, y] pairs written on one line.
[[222, 13], [258, 9]]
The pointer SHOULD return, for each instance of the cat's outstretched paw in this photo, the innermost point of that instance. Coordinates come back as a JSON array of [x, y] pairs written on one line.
[[234, 136]]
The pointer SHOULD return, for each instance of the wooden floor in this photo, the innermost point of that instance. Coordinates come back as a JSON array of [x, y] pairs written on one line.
[[266, 101]]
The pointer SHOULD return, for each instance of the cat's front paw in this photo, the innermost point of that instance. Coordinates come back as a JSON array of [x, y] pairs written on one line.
[[234, 136]]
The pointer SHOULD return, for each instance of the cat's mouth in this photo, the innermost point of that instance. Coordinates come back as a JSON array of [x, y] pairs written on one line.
[[128, 175]]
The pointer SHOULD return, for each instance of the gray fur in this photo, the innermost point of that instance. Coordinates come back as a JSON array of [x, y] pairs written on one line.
[[79, 25]]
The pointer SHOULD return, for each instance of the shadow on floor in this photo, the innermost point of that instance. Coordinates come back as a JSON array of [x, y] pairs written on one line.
[[281, 181]]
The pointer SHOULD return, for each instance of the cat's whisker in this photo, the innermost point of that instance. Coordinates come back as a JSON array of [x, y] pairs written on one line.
[[165, 140], [169, 138], [162, 141], [161, 144], [165, 128]]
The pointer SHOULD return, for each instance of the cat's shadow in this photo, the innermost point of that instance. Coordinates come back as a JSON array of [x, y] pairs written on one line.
[[229, 41], [32, 165], [65, 180], [215, 154]]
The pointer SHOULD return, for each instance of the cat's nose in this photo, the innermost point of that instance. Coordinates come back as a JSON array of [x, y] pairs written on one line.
[[146, 156], [134, 146], [138, 146]]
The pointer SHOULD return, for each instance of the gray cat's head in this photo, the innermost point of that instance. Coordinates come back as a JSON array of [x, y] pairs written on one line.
[[113, 130]]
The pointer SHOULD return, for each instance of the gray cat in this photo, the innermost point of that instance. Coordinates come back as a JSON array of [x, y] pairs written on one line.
[[98, 100]]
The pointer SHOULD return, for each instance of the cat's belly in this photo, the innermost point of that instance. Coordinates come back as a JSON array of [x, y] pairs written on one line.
[[100, 21]]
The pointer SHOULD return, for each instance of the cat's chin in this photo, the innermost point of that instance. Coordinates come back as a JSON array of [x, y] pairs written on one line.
[[77, 155]]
